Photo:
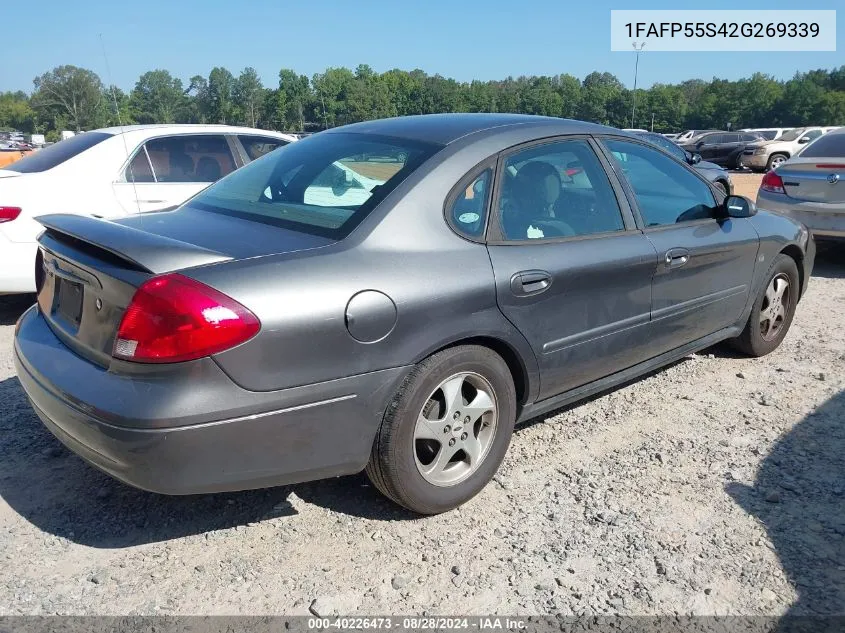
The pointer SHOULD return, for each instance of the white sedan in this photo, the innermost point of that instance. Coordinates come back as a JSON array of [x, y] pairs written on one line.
[[113, 172]]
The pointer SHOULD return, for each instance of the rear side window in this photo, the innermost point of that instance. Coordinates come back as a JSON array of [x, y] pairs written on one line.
[[257, 146], [324, 185], [56, 154], [139, 169], [666, 192], [190, 158], [468, 211], [828, 146]]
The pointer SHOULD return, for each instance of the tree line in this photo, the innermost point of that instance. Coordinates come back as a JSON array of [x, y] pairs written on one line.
[[73, 98]]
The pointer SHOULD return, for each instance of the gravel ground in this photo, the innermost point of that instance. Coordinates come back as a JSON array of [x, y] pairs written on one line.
[[715, 486]]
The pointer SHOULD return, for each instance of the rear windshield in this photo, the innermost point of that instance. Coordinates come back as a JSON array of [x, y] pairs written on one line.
[[827, 146], [324, 185], [56, 154]]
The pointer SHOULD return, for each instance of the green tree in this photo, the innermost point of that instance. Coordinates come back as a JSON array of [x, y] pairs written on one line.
[[248, 95], [158, 97], [71, 94], [16, 113], [220, 96]]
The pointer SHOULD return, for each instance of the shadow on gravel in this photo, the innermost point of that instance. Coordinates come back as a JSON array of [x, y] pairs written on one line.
[[62, 495], [830, 261], [12, 306], [799, 496]]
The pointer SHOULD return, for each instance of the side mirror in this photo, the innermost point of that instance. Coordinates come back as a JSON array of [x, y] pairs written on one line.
[[803, 140], [695, 159], [739, 207]]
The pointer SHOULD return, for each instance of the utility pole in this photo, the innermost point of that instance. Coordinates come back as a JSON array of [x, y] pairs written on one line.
[[652, 121], [638, 49]]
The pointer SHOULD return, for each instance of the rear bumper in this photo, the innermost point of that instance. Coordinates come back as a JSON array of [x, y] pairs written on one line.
[[823, 220], [146, 434], [17, 266]]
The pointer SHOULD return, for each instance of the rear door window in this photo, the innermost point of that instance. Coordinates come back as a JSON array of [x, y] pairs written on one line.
[[190, 158], [258, 146], [58, 153]]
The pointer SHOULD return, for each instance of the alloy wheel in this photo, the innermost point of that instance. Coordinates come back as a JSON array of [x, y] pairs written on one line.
[[455, 429], [775, 305]]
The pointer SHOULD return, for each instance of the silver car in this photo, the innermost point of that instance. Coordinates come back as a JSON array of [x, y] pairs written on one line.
[[810, 187]]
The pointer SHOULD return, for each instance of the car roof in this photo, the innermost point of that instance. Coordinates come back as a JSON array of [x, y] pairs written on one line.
[[182, 128], [447, 128]]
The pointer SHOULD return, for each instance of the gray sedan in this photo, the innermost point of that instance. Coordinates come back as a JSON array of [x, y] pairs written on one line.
[[810, 187], [392, 296]]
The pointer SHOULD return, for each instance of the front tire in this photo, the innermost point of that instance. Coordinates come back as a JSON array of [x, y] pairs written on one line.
[[775, 161], [446, 431], [773, 310]]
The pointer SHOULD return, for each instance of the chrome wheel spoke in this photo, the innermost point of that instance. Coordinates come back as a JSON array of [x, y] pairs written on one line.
[[429, 429], [473, 449], [482, 403], [453, 394]]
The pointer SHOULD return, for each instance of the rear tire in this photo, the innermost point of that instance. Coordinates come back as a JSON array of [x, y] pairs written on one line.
[[440, 409], [773, 310]]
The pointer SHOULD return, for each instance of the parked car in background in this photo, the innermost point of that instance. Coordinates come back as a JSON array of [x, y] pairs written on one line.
[[250, 338], [810, 187], [766, 155], [113, 172], [688, 135], [718, 176], [768, 133], [722, 148]]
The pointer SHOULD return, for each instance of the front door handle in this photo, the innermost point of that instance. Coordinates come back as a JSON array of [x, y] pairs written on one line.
[[530, 282], [676, 257]]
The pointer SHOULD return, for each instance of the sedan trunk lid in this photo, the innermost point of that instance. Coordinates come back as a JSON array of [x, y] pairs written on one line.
[[814, 180], [87, 269]]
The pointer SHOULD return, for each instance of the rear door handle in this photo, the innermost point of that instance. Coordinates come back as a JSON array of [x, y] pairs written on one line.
[[530, 282], [676, 257]]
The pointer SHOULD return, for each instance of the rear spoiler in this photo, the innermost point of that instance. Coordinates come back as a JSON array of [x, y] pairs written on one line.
[[149, 251]]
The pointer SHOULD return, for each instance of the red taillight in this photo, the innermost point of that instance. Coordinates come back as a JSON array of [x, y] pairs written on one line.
[[772, 182], [7, 214], [172, 318]]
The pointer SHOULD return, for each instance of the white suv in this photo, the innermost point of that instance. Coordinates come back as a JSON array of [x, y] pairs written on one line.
[[766, 155]]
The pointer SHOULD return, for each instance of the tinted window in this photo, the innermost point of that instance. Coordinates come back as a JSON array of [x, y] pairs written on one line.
[[139, 169], [257, 146], [56, 154], [710, 139], [190, 158], [468, 212], [313, 185], [729, 138], [666, 192], [769, 135], [812, 134], [828, 146], [557, 190]]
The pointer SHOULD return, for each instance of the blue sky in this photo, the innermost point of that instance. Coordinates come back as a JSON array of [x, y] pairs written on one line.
[[464, 39]]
